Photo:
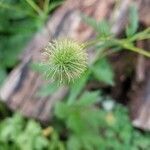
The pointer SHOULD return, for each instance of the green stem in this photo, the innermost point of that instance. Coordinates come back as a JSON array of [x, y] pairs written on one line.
[[129, 46], [35, 7], [97, 41], [124, 43], [143, 35], [46, 4], [136, 49]]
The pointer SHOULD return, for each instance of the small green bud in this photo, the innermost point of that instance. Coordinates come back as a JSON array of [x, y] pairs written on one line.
[[66, 60]]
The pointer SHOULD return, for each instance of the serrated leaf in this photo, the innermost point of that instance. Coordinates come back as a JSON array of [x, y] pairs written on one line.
[[61, 110], [103, 71], [102, 27], [90, 21], [88, 98]]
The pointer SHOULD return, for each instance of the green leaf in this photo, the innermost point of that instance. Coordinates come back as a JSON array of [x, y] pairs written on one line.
[[88, 98], [102, 71], [55, 143], [11, 128], [90, 21], [47, 89], [133, 21], [76, 88], [102, 27], [32, 136], [19, 21], [74, 143], [61, 110]]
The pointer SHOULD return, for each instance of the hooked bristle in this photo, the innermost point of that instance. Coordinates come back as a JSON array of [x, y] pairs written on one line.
[[66, 59]]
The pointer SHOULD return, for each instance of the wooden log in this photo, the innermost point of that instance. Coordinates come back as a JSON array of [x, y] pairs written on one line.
[[140, 89], [140, 92]]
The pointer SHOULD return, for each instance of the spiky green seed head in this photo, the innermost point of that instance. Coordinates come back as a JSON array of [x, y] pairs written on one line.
[[66, 59]]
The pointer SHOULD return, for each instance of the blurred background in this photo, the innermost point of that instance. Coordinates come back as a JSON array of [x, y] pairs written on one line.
[[106, 109]]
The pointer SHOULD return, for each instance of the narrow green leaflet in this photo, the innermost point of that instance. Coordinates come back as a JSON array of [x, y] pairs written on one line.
[[102, 27], [133, 21]]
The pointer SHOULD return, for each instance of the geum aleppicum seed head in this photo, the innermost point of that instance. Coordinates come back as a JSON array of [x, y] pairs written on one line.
[[66, 60]]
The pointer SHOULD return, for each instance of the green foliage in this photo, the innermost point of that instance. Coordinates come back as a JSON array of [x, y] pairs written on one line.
[[20, 20], [87, 126], [141, 142], [66, 60], [84, 128], [93, 128], [133, 21], [15, 133], [55, 143], [102, 71], [108, 42], [101, 27], [36, 140], [16, 28]]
